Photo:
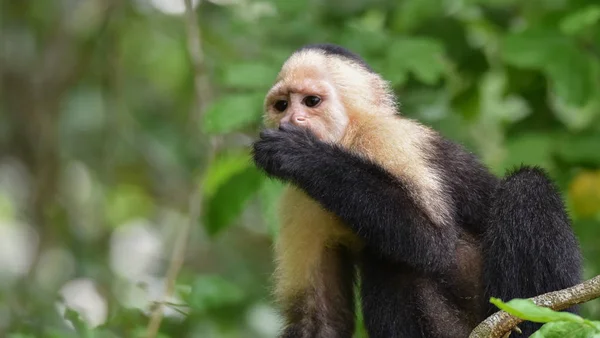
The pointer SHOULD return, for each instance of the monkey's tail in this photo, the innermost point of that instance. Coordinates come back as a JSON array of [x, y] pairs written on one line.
[[529, 246]]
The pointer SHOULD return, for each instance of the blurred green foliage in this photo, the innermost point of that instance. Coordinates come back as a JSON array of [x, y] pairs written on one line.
[[100, 146]]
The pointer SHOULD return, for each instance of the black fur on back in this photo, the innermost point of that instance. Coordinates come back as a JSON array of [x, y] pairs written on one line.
[[529, 246], [332, 49]]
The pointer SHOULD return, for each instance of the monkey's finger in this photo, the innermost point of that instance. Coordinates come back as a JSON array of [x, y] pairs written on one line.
[[286, 126], [270, 133]]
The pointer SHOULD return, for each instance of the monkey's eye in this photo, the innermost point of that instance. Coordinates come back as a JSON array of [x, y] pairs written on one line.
[[281, 105], [312, 101]]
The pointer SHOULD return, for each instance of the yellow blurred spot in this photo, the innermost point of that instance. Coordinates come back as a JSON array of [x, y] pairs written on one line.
[[585, 193], [127, 202]]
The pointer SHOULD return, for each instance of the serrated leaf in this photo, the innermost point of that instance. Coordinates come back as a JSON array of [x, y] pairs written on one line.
[[222, 168], [233, 112], [561, 329], [211, 292], [527, 310], [580, 20], [250, 75], [229, 201]]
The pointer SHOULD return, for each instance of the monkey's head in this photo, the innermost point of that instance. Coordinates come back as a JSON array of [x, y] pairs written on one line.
[[324, 88]]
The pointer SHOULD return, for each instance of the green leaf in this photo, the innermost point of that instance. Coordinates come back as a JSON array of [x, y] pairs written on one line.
[[142, 332], [210, 292], [578, 117], [421, 56], [411, 13], [534, 148], [250, 75], [233, 112], [568, 69], [373, 20], [107, 333], [583, 148], [222, 168], [527, 310], [531, 48], [562, 329], [230, 200], [580, 20], [496, 104], [569, 72], [80, 326], [575, 117]]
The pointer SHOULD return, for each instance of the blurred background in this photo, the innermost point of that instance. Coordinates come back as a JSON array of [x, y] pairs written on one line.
[[125, 126]]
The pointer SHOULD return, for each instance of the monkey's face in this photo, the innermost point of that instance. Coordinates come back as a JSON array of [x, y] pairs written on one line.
[[304, 96]]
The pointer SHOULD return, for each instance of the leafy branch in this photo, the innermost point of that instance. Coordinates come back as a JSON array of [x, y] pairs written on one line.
[[516, 311]]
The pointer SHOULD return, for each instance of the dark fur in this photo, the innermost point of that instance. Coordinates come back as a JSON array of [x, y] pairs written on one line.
[[366, 197], [531, 248], [338, 51], [510, 238]]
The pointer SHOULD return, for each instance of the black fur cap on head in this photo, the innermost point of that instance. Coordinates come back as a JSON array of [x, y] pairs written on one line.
[[332, 49]]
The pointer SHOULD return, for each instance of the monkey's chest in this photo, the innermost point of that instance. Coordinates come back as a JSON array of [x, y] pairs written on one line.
[[307, 221]]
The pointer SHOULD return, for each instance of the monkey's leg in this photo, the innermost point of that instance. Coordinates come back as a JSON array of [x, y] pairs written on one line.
[[529, 246], [399, 302], [315, 273], [389, 301]]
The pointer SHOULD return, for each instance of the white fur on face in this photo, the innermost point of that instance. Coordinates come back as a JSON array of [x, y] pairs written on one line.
[[362, 108]]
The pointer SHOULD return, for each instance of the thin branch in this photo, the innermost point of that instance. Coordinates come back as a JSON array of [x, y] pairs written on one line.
[[202, 95], [201, 82], [500, 323], [177, 259]]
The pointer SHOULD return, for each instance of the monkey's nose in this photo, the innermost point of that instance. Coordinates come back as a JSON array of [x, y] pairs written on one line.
[[299, 120]]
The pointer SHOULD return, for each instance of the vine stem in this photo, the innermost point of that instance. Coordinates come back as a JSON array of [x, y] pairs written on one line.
[[202, 95]]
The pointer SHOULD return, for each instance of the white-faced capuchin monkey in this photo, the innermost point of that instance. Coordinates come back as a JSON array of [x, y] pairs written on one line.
[[432, 232]]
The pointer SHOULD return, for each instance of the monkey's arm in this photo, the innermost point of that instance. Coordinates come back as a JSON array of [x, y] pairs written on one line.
[[375, 204]]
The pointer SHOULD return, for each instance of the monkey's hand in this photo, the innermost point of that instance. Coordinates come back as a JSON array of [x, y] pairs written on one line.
[[282, 153]]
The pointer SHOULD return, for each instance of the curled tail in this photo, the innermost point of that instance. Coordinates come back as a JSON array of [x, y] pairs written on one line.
[[529, 245]]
